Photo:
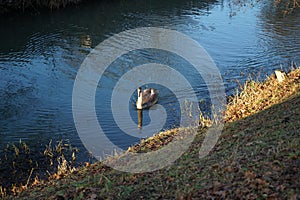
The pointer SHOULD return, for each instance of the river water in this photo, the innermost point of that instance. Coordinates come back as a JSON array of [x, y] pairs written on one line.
[[40, 55]]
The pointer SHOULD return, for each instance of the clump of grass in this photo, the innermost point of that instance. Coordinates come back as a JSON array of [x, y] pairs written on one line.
[[60, 149], [2, 191], [63, 168], [18, 189], [58, 152], [255, 96], [16, 162], [25, 165]]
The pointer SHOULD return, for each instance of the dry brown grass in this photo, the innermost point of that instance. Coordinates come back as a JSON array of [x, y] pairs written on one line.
[[256, 96]]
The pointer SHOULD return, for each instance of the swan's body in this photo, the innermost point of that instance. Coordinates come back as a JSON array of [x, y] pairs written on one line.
[[146, 98]]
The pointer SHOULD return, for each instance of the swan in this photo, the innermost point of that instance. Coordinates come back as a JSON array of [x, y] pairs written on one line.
[[146, 98]]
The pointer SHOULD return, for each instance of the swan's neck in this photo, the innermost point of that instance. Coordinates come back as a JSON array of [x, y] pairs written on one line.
[[139, 103]]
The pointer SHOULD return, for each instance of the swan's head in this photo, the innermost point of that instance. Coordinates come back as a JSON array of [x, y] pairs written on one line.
[[139, 91], [152, 91]]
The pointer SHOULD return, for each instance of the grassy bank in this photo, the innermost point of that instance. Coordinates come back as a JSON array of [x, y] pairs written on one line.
[[256, 157]]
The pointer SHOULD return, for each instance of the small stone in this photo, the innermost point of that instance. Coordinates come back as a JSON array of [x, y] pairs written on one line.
[[280, 75]]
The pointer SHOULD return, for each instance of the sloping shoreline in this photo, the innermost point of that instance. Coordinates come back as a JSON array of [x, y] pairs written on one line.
[[257, 156]]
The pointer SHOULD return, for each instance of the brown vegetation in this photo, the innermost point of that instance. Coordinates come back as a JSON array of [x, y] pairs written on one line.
[[288, 6], [17, 5], [256, 96]]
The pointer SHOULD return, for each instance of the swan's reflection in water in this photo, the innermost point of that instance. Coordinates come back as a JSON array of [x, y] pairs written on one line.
[[140, 118], [149, 127]]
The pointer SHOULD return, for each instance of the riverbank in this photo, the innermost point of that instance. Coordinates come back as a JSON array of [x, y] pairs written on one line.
[[7, 6], [257, 156]]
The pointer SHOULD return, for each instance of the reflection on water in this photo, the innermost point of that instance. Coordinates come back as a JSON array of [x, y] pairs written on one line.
[[40, 56], [86, 41], [140, 118]]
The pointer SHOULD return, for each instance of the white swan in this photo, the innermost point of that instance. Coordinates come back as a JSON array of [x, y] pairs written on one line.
[[146, 98]]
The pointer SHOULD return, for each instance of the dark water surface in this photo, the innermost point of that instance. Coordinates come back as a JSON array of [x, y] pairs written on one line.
[[40, 56]]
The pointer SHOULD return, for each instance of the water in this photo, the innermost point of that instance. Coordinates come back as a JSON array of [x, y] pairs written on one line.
[[40, 56]]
